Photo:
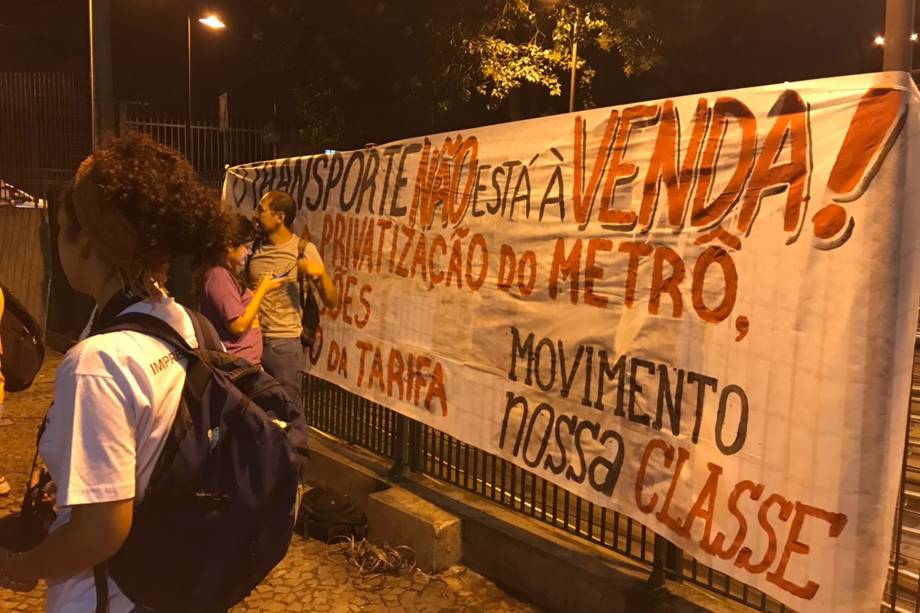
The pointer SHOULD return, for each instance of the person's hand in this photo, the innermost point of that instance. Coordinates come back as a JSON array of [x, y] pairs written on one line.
[[311, 262], [268, 282], [49, 492], [7, 579]]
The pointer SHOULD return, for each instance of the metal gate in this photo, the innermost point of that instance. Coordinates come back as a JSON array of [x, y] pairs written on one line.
[[44, 135], [44, 129], [209, 148]]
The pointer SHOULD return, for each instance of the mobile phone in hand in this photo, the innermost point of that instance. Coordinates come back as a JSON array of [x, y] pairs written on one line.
[[282, 275]]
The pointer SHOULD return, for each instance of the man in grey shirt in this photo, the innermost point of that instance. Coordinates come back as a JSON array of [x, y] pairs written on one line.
[[281, 253]]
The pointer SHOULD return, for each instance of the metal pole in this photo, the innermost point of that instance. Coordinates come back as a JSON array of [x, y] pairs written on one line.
[[188, 108], [102, 113], [92, 79], [104, 90], [574, 60], [398, 469], [899, 24], [658, 579]]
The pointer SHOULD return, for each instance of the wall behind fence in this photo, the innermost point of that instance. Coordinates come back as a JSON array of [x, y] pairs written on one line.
[[25, 257]]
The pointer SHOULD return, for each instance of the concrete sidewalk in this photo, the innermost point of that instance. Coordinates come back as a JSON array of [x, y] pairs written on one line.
[[310, 578]]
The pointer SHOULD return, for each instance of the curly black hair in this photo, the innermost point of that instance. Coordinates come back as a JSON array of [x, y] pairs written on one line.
[[157, 192], [241, 230]]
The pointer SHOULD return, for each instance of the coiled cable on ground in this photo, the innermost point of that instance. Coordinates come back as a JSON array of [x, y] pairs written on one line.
[[372, 562]]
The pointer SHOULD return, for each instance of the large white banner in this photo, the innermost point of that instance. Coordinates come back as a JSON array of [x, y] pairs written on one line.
[[697, 311]]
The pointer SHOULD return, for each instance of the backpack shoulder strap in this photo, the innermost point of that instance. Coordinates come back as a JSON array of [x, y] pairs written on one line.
[[205, 332], [100, 578], [154, 326], [302, 281], [14, 307], [151, 326]]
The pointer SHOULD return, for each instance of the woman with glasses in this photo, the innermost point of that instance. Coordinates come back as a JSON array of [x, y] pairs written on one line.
[[228, 303]]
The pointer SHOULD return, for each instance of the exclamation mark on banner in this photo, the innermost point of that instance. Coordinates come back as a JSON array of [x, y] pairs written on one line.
[[873, 130]]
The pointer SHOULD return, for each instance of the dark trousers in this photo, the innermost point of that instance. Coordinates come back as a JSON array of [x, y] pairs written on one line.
[[283, 359]]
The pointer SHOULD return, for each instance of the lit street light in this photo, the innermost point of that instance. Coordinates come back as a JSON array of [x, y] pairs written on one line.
[[211, 21]]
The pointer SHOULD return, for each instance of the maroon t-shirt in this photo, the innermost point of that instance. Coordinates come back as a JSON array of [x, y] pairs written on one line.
[[222, 301]]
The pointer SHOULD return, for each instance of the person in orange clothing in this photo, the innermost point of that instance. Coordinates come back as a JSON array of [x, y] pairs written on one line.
[[4, 484]]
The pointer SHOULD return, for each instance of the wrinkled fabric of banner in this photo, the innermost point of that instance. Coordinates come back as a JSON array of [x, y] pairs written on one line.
[[698, 311]]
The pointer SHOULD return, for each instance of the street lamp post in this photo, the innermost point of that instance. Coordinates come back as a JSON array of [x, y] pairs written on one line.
[[573, 65], [899, 23], [214, 22], [188, 106], [100, 69], [574, 60]]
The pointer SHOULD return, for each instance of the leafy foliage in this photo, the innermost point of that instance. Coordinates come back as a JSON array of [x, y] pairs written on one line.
[[531, 41], [355, 71]]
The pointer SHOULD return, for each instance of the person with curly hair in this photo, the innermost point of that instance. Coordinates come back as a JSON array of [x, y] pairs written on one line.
[[228, 303], [133, 205]]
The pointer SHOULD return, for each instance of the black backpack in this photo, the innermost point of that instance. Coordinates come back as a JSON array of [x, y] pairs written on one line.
[[327, 514], [23, 344], [218, 513], [309, 307]]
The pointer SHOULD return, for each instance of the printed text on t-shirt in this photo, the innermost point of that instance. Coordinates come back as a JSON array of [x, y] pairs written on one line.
[[164, 362]]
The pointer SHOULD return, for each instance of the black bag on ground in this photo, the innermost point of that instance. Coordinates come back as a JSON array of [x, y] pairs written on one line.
[[218, 513], [23, 344], [327, 514]]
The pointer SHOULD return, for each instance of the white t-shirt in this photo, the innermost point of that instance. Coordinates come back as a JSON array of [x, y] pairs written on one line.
[[115, 399]]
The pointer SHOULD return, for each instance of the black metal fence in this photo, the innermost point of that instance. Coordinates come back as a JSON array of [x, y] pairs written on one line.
[[415, 446], [45, 133], [901, 593], [420, 448], [44, 129], [209, 148]]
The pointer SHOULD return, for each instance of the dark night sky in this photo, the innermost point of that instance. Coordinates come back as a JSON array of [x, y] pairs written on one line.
[[745, 42]]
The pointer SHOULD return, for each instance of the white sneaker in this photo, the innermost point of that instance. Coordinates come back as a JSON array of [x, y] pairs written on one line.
[[4, 486]]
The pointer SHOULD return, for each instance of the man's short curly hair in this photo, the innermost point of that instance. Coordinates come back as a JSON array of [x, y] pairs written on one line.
[[158, 194]]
